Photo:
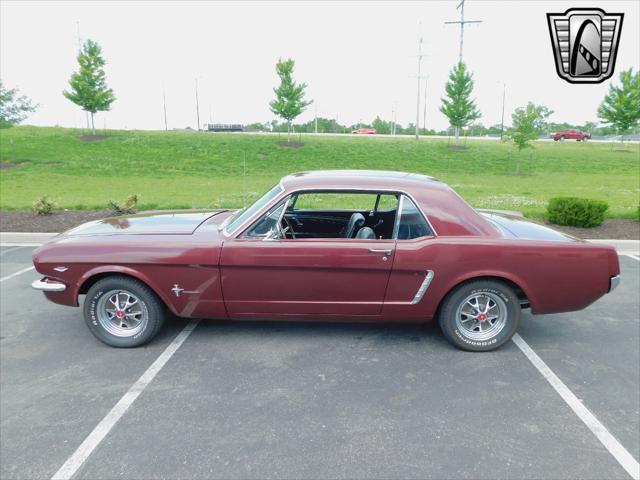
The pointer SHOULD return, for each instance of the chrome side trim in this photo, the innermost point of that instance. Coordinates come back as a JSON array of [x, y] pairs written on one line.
[[613, 283], [49, 286], [423, 288]]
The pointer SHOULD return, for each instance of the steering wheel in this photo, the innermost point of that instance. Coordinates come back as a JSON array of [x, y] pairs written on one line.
[[288, 228]]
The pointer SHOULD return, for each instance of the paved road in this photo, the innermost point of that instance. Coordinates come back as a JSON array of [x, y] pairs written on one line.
[[270, 400]]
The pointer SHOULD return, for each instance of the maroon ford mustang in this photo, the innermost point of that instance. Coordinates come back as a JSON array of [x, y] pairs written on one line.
[[328, 246]]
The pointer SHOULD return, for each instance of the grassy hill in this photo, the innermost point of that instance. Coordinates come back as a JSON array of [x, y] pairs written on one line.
[[198, 169]]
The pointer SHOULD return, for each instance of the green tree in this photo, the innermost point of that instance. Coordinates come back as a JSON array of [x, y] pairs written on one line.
[[13, 108], [382, 126], [290, 101], [621, 106], [528, 124], [458, 106], [89, 88]]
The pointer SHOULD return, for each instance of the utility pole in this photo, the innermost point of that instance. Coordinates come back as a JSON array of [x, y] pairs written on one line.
[[418, 77], [197, 106], [164, 107], [391, 122], [424, 118], [462, 23], [395, 117], [504, 91]]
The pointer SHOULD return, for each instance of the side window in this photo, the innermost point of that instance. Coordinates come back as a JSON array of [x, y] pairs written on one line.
[[268, 225], [412, 224]]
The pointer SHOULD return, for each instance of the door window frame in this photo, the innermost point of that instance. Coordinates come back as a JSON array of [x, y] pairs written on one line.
[[240, 233]]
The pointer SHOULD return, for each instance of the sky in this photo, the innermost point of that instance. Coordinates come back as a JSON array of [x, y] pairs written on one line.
[[358, 58]]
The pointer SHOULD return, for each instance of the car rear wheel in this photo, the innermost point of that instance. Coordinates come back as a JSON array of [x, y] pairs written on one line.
[[123, 312], [480, 316]]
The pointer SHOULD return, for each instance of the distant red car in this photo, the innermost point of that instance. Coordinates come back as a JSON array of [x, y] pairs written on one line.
[[571, 135], [364, 131], [326, 246]]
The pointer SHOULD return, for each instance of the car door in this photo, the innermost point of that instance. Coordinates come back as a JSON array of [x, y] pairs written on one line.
[[305, 277], [266, 276]]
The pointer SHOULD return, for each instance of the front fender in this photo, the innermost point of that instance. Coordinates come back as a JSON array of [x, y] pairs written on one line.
[[119, 269]]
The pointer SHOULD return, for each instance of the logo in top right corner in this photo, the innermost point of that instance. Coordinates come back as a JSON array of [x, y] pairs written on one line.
[[585, 43]]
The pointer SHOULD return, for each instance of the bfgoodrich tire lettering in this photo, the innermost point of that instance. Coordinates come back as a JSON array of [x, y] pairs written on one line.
[[480, 316], [123, 312]]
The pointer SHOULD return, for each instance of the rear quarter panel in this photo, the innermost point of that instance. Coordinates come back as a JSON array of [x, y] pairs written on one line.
[[554, 276]]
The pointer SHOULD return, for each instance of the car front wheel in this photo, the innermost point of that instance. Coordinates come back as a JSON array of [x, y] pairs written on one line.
[[480, 316], [123, 312]]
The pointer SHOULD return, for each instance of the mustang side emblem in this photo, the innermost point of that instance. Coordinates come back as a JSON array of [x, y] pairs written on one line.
[[585, 43], [177, 290]]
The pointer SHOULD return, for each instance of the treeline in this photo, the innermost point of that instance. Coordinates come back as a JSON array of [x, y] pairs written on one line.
[[383, 127]]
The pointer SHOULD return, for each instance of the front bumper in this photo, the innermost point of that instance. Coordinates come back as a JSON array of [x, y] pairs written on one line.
[[613, 283], [47, 285]]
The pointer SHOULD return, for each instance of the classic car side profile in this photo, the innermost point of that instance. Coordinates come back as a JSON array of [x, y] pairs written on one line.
[[356, 246]]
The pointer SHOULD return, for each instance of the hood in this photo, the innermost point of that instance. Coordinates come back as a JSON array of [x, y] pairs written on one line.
[[517, 227], [179, 222]]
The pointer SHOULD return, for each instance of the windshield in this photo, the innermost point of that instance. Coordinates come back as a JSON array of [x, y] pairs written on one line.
[[242, 215]]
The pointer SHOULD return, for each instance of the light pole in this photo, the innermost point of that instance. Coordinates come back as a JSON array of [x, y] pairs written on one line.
[[164, 107], [418, 99], [424, 118], [197, 106], [504, 91]]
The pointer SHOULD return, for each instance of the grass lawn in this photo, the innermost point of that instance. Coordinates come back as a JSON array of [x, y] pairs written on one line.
[[202, 170]]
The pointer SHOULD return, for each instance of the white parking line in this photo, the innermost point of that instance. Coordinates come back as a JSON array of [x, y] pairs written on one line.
[[4, 252], [19, 272], [633, 256], [75, 461], [615, 448]]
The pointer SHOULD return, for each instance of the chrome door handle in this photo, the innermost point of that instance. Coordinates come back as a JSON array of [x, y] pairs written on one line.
[[386, 251]]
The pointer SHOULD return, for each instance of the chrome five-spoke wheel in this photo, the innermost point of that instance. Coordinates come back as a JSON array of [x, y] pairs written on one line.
[[481, 316], [121, 313]]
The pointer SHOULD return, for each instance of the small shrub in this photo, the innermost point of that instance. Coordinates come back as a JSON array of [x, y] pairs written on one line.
[[576, 212], [43, 206], [129, 206]]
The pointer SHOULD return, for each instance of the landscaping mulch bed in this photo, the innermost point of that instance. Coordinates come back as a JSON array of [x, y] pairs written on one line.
[[92, 138], [56, 222], [5, 165], [614, 228], [621, 229], [291, 144]]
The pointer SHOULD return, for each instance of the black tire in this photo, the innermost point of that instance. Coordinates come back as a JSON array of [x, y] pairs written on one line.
[[151, 309], [506, 300]]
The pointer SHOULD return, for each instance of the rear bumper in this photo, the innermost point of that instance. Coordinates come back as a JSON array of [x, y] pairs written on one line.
[[613, 283], [46, 285]]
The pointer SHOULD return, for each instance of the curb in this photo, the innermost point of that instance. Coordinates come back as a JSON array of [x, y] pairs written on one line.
[[26, 239]]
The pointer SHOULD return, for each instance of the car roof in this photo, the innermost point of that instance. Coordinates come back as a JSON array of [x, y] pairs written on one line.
[[358, 179]]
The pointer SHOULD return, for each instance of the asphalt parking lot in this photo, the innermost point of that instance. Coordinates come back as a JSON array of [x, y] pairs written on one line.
[[275, 400]]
